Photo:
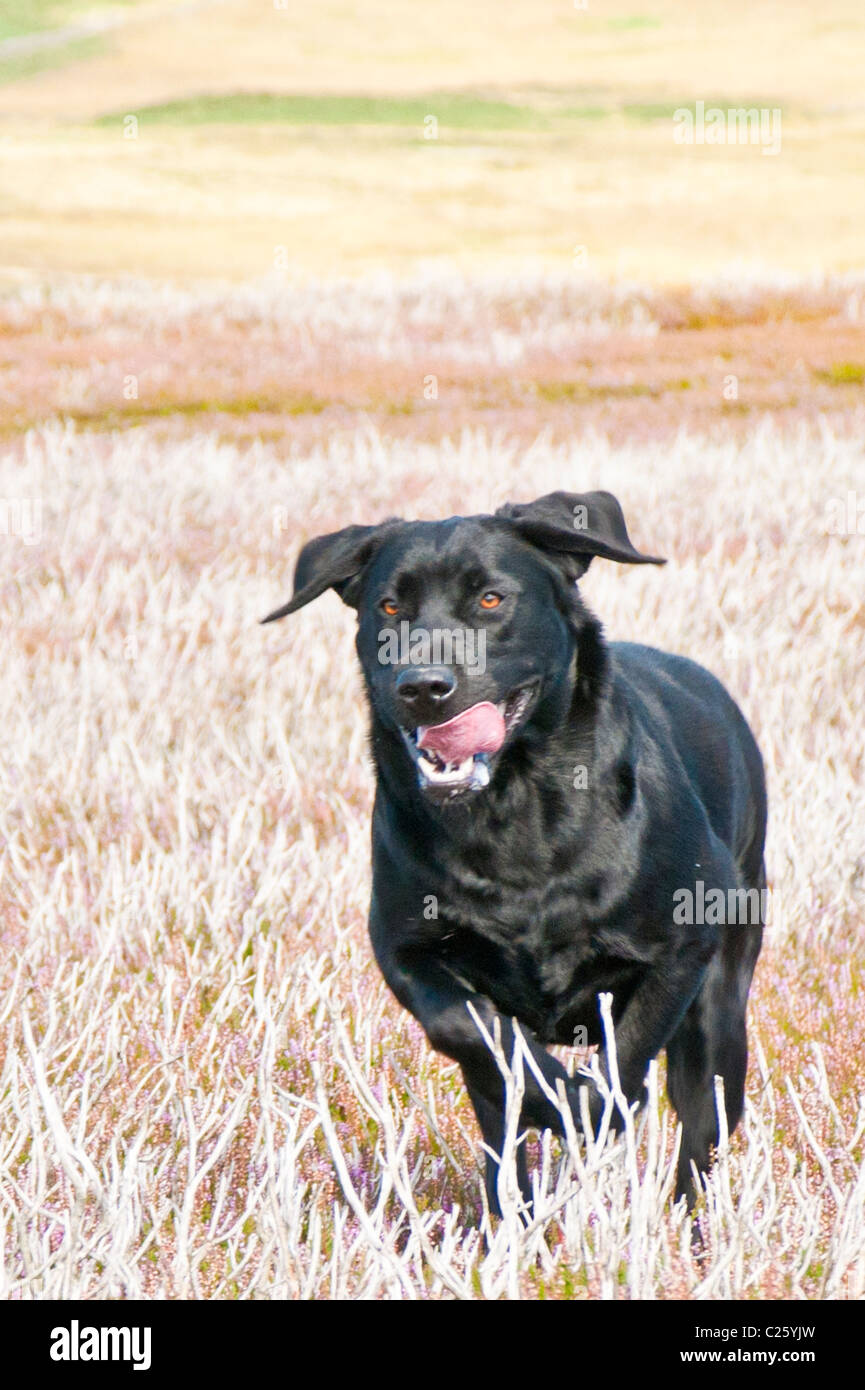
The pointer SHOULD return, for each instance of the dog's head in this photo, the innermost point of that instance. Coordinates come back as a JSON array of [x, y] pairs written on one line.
[[467, 628]]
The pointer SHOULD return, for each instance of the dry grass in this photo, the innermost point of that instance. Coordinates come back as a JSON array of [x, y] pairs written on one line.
[[217, 200], [207, 1090], [294, 362], [170, 47], [346, 201]]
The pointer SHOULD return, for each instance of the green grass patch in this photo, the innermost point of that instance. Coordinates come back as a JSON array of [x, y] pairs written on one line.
[[634, 21], [576, 391], [23, 65], [653, 110], [585, 113], [19, 17], [456, 111], [468, 111], [303, 403], [146, 412], [843, 374], [664, 110]]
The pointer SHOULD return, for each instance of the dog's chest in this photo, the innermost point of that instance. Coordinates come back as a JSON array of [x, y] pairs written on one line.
[[531, 953]]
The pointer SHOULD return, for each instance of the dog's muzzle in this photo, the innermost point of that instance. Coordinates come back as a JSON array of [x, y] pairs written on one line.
[[454, 757]]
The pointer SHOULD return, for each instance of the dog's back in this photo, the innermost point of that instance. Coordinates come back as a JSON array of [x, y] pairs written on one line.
[[681, 702]]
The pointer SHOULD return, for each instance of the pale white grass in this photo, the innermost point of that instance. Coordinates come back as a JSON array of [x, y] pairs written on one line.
[[206, 1090], [491, 319]]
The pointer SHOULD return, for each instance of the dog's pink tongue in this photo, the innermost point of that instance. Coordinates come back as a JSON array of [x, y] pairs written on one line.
[[480, 729]]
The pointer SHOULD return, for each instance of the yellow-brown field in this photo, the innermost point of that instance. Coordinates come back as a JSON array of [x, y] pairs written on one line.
[[217, 199]]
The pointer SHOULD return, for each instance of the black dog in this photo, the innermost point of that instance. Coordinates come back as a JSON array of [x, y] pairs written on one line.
[[582, 817]]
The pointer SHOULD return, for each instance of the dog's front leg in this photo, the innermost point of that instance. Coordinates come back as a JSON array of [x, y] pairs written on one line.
[[439, 1001], [652, 1016], [493, 1122]]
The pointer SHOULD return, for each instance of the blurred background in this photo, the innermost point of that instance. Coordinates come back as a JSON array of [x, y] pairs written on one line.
[[274, 122], [267, 146]]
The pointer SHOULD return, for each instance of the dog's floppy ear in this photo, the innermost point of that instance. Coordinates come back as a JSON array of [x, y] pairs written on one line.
[[331, 562], [576, 526]]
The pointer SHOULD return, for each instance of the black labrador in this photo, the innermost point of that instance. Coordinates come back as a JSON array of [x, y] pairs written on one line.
[[555, 815]]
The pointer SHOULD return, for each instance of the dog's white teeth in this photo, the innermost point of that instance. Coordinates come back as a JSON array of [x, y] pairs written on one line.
[[450, 772], [481, 774], [469, 769]]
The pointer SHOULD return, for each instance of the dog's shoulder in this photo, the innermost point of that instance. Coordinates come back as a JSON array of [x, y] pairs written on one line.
[[651, 679]]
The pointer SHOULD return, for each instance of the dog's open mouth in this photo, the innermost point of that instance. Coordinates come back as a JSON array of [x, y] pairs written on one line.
[[454, 757]]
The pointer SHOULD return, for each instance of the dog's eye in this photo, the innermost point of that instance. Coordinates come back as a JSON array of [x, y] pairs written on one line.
[[389, 606], [491, 600]]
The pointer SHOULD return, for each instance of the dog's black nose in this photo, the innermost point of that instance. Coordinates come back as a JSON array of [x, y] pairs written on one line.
[[425, 687]]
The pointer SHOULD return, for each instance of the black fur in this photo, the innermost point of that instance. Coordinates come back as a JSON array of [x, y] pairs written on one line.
[[631, 777]]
